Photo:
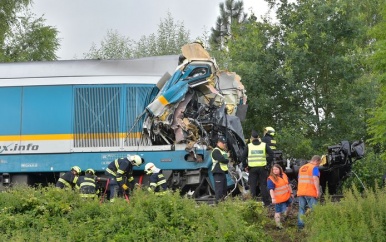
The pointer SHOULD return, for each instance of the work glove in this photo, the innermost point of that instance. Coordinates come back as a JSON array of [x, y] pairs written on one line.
[[125, 187]]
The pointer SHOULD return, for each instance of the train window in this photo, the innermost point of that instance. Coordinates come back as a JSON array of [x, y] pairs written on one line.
[[194, 157]]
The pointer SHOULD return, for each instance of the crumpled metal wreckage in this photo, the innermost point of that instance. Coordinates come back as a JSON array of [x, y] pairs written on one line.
[[197, 104]]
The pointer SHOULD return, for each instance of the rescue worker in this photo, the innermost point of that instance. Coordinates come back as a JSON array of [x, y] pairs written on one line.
[[257, 158], [118, 170], [268, 138], [87, 184], [157, 179], [220, 162], [69, 179], [281, 193], [308, 187]]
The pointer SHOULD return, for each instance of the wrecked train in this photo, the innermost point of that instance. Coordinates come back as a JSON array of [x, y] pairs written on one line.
[[90, 112], [336, 165]]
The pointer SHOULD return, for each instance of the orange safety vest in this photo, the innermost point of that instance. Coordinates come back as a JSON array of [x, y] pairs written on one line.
[[306, 185], [282, 191]]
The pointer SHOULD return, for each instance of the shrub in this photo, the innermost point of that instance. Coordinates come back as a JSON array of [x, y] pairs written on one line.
[[50, 214], [357, 217], [369, 170]]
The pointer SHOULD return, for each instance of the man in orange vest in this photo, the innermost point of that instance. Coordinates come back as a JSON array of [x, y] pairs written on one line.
[[308, 187]]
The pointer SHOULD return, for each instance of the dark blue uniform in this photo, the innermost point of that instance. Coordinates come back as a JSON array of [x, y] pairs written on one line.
[[117, 170]]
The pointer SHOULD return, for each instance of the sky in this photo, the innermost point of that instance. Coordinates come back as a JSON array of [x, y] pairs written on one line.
[[83, 22]]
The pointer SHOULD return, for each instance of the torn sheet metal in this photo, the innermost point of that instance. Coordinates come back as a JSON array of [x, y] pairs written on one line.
[[197, 104]]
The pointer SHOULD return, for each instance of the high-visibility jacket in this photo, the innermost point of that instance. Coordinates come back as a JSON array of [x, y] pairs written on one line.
[[257, 155], [282, 190], [270, 141], [158, 183], [119, 168], [306, 186], [223, 166], [87, 186], [68, 180]]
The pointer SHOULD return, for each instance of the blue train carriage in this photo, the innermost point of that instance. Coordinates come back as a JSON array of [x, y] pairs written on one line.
[[65, 113], [91, 112]]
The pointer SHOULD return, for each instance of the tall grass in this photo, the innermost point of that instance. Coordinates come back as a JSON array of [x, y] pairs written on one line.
[[49, 214], [357, 217]]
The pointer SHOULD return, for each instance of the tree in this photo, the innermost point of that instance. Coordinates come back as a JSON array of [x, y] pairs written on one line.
[[230, 12], [114, 46], [377, 122], [168, 40], [170, 37], [23, 37], [304, 73]]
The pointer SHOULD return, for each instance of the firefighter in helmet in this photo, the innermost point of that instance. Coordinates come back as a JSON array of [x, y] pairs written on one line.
[[118, 171], [268, 138], [87, 184], [69, 179], [157, 179]]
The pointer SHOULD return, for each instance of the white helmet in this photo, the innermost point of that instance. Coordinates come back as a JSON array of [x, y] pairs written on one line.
[[269, 130], [149, 168], [135, 159]]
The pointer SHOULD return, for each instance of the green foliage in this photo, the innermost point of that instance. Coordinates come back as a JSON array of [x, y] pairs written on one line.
[[369, 170], [231, 12], [377, 61], [168, 40], [357, 217], [51, 214], [170, 37], [306, 71], [255, 62], [23, 36], [294, 144], [114, 46]]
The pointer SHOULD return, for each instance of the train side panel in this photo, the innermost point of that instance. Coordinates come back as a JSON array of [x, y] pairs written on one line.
[[10, 121], [166, 159], [57, 127], [46, 120]]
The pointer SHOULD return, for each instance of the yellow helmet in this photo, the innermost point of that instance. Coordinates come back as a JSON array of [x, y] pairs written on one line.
[[90, 171], [77, 169], [269, 130]]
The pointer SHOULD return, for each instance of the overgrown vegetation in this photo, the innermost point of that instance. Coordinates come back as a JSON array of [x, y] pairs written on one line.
[[367, 173], [49, 214], [357, 217]]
